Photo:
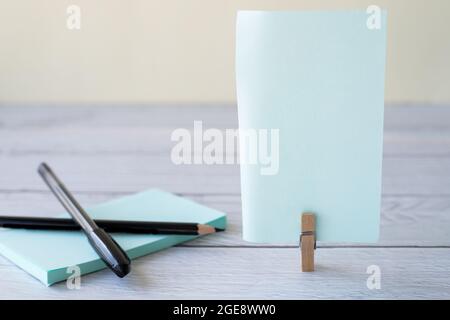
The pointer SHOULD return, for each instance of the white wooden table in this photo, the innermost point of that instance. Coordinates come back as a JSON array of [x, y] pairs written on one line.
[[106, 152]]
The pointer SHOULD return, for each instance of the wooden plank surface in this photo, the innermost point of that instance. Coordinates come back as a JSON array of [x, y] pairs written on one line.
[[270, 273], [104, 152]]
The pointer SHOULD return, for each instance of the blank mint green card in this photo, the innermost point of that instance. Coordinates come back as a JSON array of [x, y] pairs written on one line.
[[317, 77], [46, 255]]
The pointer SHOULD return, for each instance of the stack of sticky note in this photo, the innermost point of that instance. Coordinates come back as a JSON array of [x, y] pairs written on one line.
[[48, 255]]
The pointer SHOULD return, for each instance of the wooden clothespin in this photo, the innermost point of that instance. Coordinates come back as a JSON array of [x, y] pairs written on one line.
[[308, 241]]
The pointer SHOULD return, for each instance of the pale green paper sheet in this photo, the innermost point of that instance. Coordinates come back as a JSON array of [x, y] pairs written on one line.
[[318, 77], [46, 255]]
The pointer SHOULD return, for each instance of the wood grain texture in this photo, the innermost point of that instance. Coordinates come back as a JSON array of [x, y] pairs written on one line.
[[103, 152], [252, 273], [403, 219], [131, 173], [307, 241]]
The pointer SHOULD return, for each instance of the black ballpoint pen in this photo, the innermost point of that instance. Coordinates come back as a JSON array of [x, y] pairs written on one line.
[[105, 246]]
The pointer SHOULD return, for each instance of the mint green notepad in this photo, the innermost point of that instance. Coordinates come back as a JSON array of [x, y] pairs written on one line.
[[318, 78], [46, 255]]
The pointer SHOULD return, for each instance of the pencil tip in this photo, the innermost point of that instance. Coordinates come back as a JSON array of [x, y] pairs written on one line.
[[207, 229]]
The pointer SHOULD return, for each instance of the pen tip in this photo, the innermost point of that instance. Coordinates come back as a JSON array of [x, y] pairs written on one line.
[[122, 270], [219, 229]]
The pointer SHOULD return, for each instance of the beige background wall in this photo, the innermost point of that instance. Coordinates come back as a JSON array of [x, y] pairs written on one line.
[[183, 50]]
